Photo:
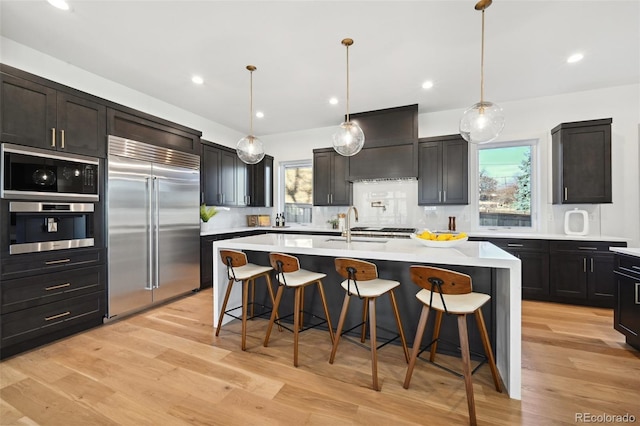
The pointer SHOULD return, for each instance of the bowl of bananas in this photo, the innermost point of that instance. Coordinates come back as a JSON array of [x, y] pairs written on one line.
[[439, 239]]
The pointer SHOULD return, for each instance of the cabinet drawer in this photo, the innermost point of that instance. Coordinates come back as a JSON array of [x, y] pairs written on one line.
[[22, 265], [33, 322], [583, 246], [630, 265], [520, 244], [27, 292]]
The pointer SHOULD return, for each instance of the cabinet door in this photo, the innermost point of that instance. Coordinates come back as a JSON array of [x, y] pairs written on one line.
[[600, 281], [535, 275], [321, 178], [340, 186], [430, 173], [587, 164], [211, 175], [568, 275], [82, 126], [627, 306], [28, 113], [206, 259], [260, 183], [455, 169], [228, 178]]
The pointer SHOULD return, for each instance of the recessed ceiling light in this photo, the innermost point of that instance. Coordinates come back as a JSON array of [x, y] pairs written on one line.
[[333, 101], [259, 114], [576, 57], [427, 84], [60, 4], [197, 79]]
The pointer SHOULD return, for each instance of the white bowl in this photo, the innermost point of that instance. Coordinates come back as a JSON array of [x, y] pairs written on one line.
[[441, 244]]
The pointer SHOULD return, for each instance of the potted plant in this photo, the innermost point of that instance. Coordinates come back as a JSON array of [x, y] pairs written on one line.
[[207, 213], [333, 222]]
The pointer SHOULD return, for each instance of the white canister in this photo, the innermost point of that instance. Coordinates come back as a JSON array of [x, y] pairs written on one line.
[[576, 222]]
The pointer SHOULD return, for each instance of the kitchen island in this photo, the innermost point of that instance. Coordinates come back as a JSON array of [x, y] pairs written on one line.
[[493, 270]]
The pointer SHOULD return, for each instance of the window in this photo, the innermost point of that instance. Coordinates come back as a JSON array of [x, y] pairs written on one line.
[[505, 181], [296, 178]]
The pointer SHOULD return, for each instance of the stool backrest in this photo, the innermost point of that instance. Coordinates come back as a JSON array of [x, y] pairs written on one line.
[[440, 280], [284, 262], [355, 269], [233, 258]]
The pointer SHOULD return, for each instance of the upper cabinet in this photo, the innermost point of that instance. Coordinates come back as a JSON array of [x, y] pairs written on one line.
[[390, 146], [260, 183], [582, 162], [35, 115], [443, 170], [331, 186], [223, 176]]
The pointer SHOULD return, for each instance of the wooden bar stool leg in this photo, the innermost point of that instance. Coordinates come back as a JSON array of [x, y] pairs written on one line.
[[343, 316], [466, 367], [224, 307], [436, 335], [296, 324], [326, 310], [276, 304], [267, 277], [245, 300], [394, 305], [253, 296], [301, 306], [374, 342], [422, 323], [487, 349], [365, 307]]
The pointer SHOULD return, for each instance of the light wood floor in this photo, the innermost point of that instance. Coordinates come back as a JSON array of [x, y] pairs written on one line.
[[165, 367]]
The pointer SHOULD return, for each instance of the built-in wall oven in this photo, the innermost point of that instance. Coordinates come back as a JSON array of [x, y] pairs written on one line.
[[48, 200]]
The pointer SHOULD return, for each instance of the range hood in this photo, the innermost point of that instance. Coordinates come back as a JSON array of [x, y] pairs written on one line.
[[391, 144]]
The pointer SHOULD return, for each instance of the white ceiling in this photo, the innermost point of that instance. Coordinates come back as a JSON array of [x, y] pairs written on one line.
[[156, 46]]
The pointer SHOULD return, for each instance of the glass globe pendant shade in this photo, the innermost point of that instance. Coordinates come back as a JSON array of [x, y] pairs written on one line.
[[250, 150], [482, 123], [348, 140]]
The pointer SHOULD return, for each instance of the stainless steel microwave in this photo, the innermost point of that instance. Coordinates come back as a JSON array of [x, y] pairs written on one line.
[[40, 175]]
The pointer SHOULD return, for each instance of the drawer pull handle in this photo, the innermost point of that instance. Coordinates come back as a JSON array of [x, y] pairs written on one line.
[[637, 293], [64, 314], [635, 267], [587, 248], [515, 245], [55, 287], [55, 262]]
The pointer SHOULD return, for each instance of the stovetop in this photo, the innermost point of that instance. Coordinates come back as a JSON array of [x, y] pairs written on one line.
[[379, 231]]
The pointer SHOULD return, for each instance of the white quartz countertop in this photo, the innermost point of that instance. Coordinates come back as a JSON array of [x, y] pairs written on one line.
[[468, 253], [626, 250]]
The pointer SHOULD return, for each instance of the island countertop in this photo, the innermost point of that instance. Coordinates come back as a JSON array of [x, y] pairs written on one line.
[[480, 254]]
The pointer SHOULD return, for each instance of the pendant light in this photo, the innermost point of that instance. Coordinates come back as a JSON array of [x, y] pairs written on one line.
[[348, 140], [250, 148], [484, 121]]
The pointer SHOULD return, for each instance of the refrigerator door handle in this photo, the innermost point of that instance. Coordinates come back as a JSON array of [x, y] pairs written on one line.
[[149, 285], [156, 185]]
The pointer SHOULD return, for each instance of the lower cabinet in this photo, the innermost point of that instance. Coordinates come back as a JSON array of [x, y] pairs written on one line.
[[41, 308], [626, 309]]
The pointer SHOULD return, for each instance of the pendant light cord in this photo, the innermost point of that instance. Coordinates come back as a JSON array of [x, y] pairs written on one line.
[[482, 62], [347, 83], [251, 102]]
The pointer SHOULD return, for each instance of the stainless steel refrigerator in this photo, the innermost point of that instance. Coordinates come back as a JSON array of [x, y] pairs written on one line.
[[153, 222]]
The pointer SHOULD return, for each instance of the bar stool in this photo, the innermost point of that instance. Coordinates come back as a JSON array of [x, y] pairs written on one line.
[[240, 270], [290, 275], [454, 295], [361, 279]]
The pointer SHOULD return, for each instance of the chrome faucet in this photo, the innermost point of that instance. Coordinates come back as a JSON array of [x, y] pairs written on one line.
[[347, 224]]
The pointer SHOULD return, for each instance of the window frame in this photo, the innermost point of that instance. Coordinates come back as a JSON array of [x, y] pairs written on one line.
[[282, 166], [536, 190]]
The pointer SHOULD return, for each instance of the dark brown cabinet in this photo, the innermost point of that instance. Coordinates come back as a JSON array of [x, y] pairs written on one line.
[[331, 186], [43, 117], [391, 144], [47, 296], [534, 258], [582, 162], [582, 272], [223, 176], [260, 183], [626, 309], [443, 176]]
